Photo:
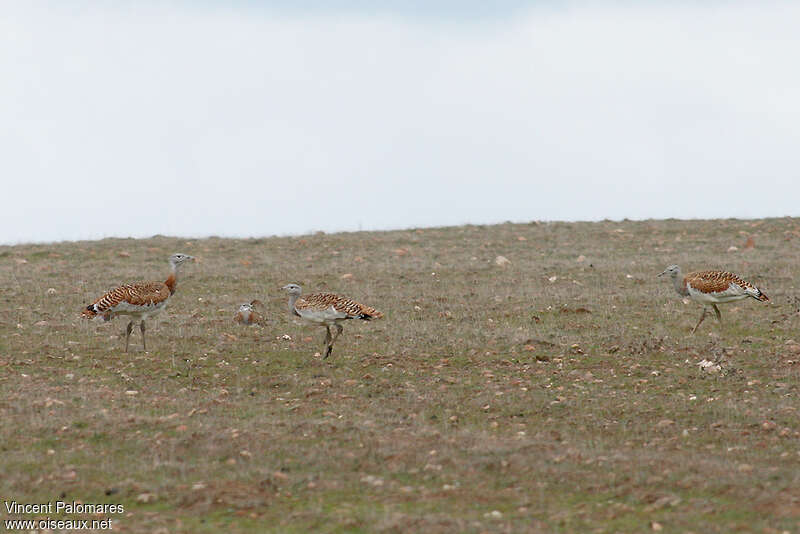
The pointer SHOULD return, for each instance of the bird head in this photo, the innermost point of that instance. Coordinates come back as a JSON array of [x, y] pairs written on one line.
[[293, 289], [178, 259], [672, 270]]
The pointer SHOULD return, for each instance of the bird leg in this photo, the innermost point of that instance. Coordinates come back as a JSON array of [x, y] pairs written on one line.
[[705, 310], [128, 335], [339, 329], [328, 345], [327, 335], [716, 311], [141, 327]]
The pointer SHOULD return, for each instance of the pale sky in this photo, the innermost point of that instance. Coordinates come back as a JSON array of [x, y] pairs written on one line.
[[255, 119]]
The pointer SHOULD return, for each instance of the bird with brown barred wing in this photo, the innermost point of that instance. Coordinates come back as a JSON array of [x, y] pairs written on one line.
[[712, 288], [247, 315], [139, 300], [327, 309]]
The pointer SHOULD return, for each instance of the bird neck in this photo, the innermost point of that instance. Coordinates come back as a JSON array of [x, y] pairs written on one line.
[[172, 280], [292, 301], [679, 283]]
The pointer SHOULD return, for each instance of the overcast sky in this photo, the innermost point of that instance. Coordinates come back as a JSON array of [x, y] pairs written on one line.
[[260, 118]]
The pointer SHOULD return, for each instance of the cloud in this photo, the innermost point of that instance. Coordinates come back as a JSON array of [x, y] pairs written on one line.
[[196, 121]]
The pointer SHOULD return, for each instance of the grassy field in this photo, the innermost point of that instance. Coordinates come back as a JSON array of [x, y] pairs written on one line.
[[559, 392]]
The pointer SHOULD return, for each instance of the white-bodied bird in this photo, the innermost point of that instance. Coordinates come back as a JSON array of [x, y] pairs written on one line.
[[139, 300], [710, 288], [327, 309]]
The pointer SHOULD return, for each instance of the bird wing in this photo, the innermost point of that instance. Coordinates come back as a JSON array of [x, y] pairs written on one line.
[[249, 317], [722, 283], [318, 307], [333, 306], [138, 294]]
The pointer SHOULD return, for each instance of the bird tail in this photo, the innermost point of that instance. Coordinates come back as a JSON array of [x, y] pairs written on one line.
[[757, 294], [367, 314]]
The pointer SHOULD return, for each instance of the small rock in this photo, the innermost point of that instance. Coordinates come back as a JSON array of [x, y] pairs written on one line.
[[345, 276], [732, 248], [502, 261], [51, 291], [372, 480], [709, 366]]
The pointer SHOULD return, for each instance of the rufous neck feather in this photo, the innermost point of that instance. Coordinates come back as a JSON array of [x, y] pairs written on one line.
[[172, 280]]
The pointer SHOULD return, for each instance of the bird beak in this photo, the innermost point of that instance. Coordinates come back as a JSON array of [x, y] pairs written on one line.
[[662, 274]]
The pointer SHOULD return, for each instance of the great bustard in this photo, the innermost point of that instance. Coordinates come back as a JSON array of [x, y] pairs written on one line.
[[712, 288], [246, 314], [327, 309], [139, 300]]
